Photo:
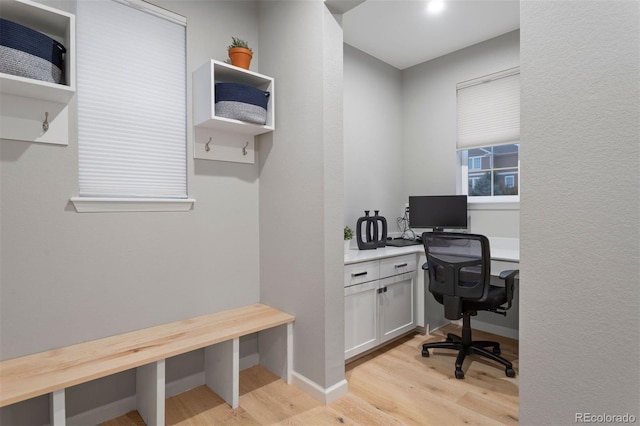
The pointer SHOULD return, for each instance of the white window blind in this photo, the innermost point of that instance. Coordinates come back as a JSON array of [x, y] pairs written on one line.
[[489, 110], [131, 100]]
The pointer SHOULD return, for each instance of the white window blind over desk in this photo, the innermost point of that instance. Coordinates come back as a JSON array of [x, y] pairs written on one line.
[[131, 101], [489, 110]]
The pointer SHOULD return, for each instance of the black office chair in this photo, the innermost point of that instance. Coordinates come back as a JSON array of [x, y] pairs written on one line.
[[459, 278]]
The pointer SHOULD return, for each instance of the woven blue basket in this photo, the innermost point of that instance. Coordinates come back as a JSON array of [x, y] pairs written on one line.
[[241, 102], [28, 53]]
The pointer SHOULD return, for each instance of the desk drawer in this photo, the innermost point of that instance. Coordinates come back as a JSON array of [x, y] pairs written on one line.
[[398, 265], [357, 273]]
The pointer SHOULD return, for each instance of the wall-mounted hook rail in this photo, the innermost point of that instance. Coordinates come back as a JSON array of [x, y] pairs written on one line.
[[207, 147], [244, 148], [45, 123]]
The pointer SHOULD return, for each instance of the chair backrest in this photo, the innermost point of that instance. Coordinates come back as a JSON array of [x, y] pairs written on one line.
[[459, 268]]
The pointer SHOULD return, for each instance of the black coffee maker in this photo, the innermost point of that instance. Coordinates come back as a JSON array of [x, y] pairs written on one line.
[[371, 231]]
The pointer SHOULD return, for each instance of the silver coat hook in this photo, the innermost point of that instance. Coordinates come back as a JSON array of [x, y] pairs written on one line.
[[244, 149], [207, 147], [45, 123]]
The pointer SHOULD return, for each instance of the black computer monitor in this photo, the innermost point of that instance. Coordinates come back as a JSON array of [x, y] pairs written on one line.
[[438, 212]]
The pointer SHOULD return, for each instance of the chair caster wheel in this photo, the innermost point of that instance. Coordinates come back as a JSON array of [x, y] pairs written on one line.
[[459, 374], [425, 353], [510, 372], [496, 350]]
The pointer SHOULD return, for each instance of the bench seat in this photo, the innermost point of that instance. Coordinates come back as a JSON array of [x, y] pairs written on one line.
[[51, 371]]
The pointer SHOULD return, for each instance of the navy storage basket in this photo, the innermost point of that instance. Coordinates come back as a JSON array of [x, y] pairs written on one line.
[[241, 102], [28, 53]]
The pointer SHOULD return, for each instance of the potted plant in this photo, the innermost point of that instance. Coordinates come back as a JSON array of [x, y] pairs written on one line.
[[240, 53], [348, 235]]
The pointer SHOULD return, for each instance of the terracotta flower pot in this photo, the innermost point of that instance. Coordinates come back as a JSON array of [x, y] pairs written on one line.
[[240, 57]]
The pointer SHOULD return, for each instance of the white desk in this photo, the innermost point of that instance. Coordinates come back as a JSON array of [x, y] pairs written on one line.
[[505, 254]]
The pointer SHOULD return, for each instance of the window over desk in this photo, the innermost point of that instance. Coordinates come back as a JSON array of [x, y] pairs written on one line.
[[488, 142]]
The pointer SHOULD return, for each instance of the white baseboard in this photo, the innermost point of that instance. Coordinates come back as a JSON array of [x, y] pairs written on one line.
[[318, 392], [184, 384], [496, 329], [103, 413], [249, 361]]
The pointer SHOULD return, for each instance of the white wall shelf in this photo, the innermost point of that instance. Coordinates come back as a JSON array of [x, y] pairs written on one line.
[[227, 139], [25, 101]]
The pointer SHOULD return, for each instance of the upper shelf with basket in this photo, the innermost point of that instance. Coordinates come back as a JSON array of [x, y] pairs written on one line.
[[38, 50], [231, 106], [223, 84], [37, 72]]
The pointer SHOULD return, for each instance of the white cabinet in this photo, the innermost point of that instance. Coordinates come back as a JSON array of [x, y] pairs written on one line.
[[26, 103], [379, 302], [397, 300], [361, 318], [220, 138]]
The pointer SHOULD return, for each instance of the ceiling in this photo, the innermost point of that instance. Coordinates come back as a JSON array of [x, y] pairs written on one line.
[[402, 33]]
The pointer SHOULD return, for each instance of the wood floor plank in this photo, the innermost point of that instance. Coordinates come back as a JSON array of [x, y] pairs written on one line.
[[361, 412], [391, 386], [489, 407], [198, 406]]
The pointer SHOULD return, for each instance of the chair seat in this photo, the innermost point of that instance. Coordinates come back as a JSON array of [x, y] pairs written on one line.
[[495, 298]]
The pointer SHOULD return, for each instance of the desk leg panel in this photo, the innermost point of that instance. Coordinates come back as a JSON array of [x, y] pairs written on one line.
[[222, 370]]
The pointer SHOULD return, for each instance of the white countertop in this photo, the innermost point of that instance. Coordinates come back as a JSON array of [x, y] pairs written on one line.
[[504, 249], [355, 255]]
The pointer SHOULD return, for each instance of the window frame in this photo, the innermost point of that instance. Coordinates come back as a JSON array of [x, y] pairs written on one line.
[[492, 201], [128, 202]]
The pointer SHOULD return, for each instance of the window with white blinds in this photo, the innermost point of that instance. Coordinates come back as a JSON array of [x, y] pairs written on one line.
[[489, 110], [131, 100], [488, 140]]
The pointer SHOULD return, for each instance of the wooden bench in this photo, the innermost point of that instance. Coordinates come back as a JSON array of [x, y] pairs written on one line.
[[146, 350]]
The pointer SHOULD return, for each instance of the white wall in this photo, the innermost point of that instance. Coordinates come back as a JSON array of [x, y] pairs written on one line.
[[579, 247], [301, 185], [372, 138]]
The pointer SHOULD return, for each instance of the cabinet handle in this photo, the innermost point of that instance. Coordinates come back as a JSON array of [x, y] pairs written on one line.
[[382, 290], [359, 274], [385, 289], [402, 265]]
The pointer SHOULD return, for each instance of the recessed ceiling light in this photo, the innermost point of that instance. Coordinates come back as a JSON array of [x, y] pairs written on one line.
[[435, 6]]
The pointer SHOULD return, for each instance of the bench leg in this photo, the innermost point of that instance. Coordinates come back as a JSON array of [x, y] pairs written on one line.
[[150, 384], [275, 347], [57, 408], [222, 370]]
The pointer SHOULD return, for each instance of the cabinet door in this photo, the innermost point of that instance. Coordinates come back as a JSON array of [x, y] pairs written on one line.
[[397, 306], [361, 318]]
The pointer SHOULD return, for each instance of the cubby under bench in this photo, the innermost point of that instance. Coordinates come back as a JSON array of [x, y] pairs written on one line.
[[146, 350]]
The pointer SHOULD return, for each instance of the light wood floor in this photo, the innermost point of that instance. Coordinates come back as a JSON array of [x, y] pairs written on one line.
[[392, 386]]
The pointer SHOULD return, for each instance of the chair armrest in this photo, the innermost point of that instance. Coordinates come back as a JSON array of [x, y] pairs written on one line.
[[509, 274], [509, 282], [425, 266]]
